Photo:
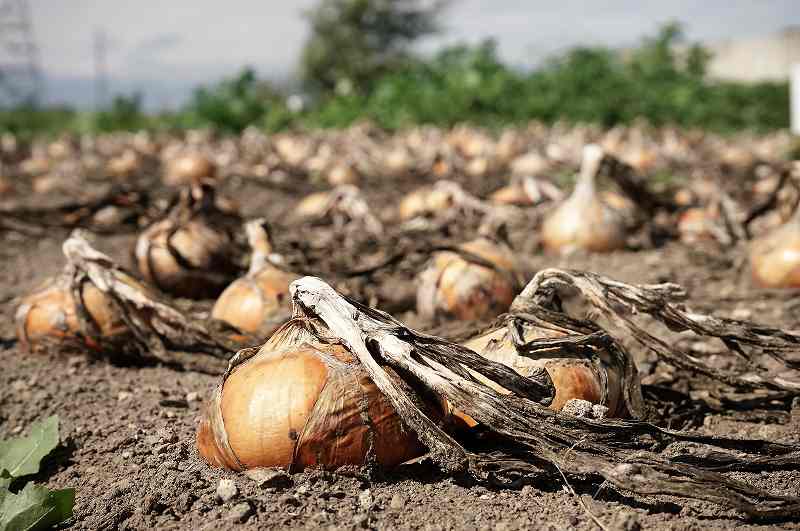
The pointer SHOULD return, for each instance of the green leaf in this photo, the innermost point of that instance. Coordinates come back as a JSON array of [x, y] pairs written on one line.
[[21, 456], [35, 507]]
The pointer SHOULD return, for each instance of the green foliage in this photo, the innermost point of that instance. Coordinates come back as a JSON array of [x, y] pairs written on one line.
[[125, 113], [596, 85], [21, 456], [661, 81], [354, 42], [231, 105], [26, 121], [33, 507]]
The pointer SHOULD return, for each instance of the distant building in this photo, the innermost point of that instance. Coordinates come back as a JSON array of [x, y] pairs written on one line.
[[766, 58]]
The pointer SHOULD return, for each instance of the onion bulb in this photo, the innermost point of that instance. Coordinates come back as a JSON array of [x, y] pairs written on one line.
[[189, 168], [584, 221], [191, 253], [124, 165], [299, 402], [253, 302], [455, 284], [573, 377], [71, 309], [424, 201], [775, 257], [526, 191]]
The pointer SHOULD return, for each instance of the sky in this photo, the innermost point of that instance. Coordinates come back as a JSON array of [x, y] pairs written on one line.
[[165, 48]]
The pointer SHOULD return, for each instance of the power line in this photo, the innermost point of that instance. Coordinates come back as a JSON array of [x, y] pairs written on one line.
[[20, 76]]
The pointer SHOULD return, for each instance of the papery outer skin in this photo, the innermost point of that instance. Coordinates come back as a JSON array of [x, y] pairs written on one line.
[[775, 258], [572, 377], [452, 285], [204, 250], [254, 298], [321, 417]]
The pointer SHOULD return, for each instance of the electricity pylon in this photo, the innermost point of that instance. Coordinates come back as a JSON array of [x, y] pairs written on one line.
[[20, 76]]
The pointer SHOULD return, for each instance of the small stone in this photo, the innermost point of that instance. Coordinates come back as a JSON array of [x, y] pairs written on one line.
[[270, 477], [194, 396], [126, 455], [123, 395], [17, 429], [578, 408], [485, 496], [527, 490], [397, 502], [240, 512], [226, 490], [599, 411], [302, 490], [365, 499]]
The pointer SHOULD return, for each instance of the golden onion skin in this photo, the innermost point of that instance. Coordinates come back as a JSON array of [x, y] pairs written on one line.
[[573, 378], [775, 257], [188, 260], [53, 315], [301, 406], [584, 221], [188, 169], [453, 285], [251, 300]]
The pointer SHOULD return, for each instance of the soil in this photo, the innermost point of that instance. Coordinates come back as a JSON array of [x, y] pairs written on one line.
[[128, 431]]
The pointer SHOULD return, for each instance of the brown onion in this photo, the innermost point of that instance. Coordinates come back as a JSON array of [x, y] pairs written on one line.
[[252, 303], [189, 168], [71, 309], [775, 257], [573, 377], [299, 403], [424, 201], [191, 253], [525, 191], [584, 221], [455, 284]]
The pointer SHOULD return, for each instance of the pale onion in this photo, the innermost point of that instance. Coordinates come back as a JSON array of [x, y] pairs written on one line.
[[254, 302], [775, 257], [453, 284], [69, 309], [572, 377], [300, 402], [191, 253], [189, 168], [584, 221]]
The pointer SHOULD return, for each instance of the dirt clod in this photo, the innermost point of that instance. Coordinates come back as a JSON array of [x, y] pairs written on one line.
[[226, 490]]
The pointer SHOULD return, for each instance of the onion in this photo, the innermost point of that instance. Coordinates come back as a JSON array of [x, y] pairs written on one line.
[[70, 309], [188, 168], [124, 165], [190, 253], [299, 402], [572, 377], [775, 257], [253, 302], [526, 191], [455, 284], [424, 201], [584, 220]]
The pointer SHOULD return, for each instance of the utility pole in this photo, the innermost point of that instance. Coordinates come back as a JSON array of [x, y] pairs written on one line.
[[20, 76], [100, 48]]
